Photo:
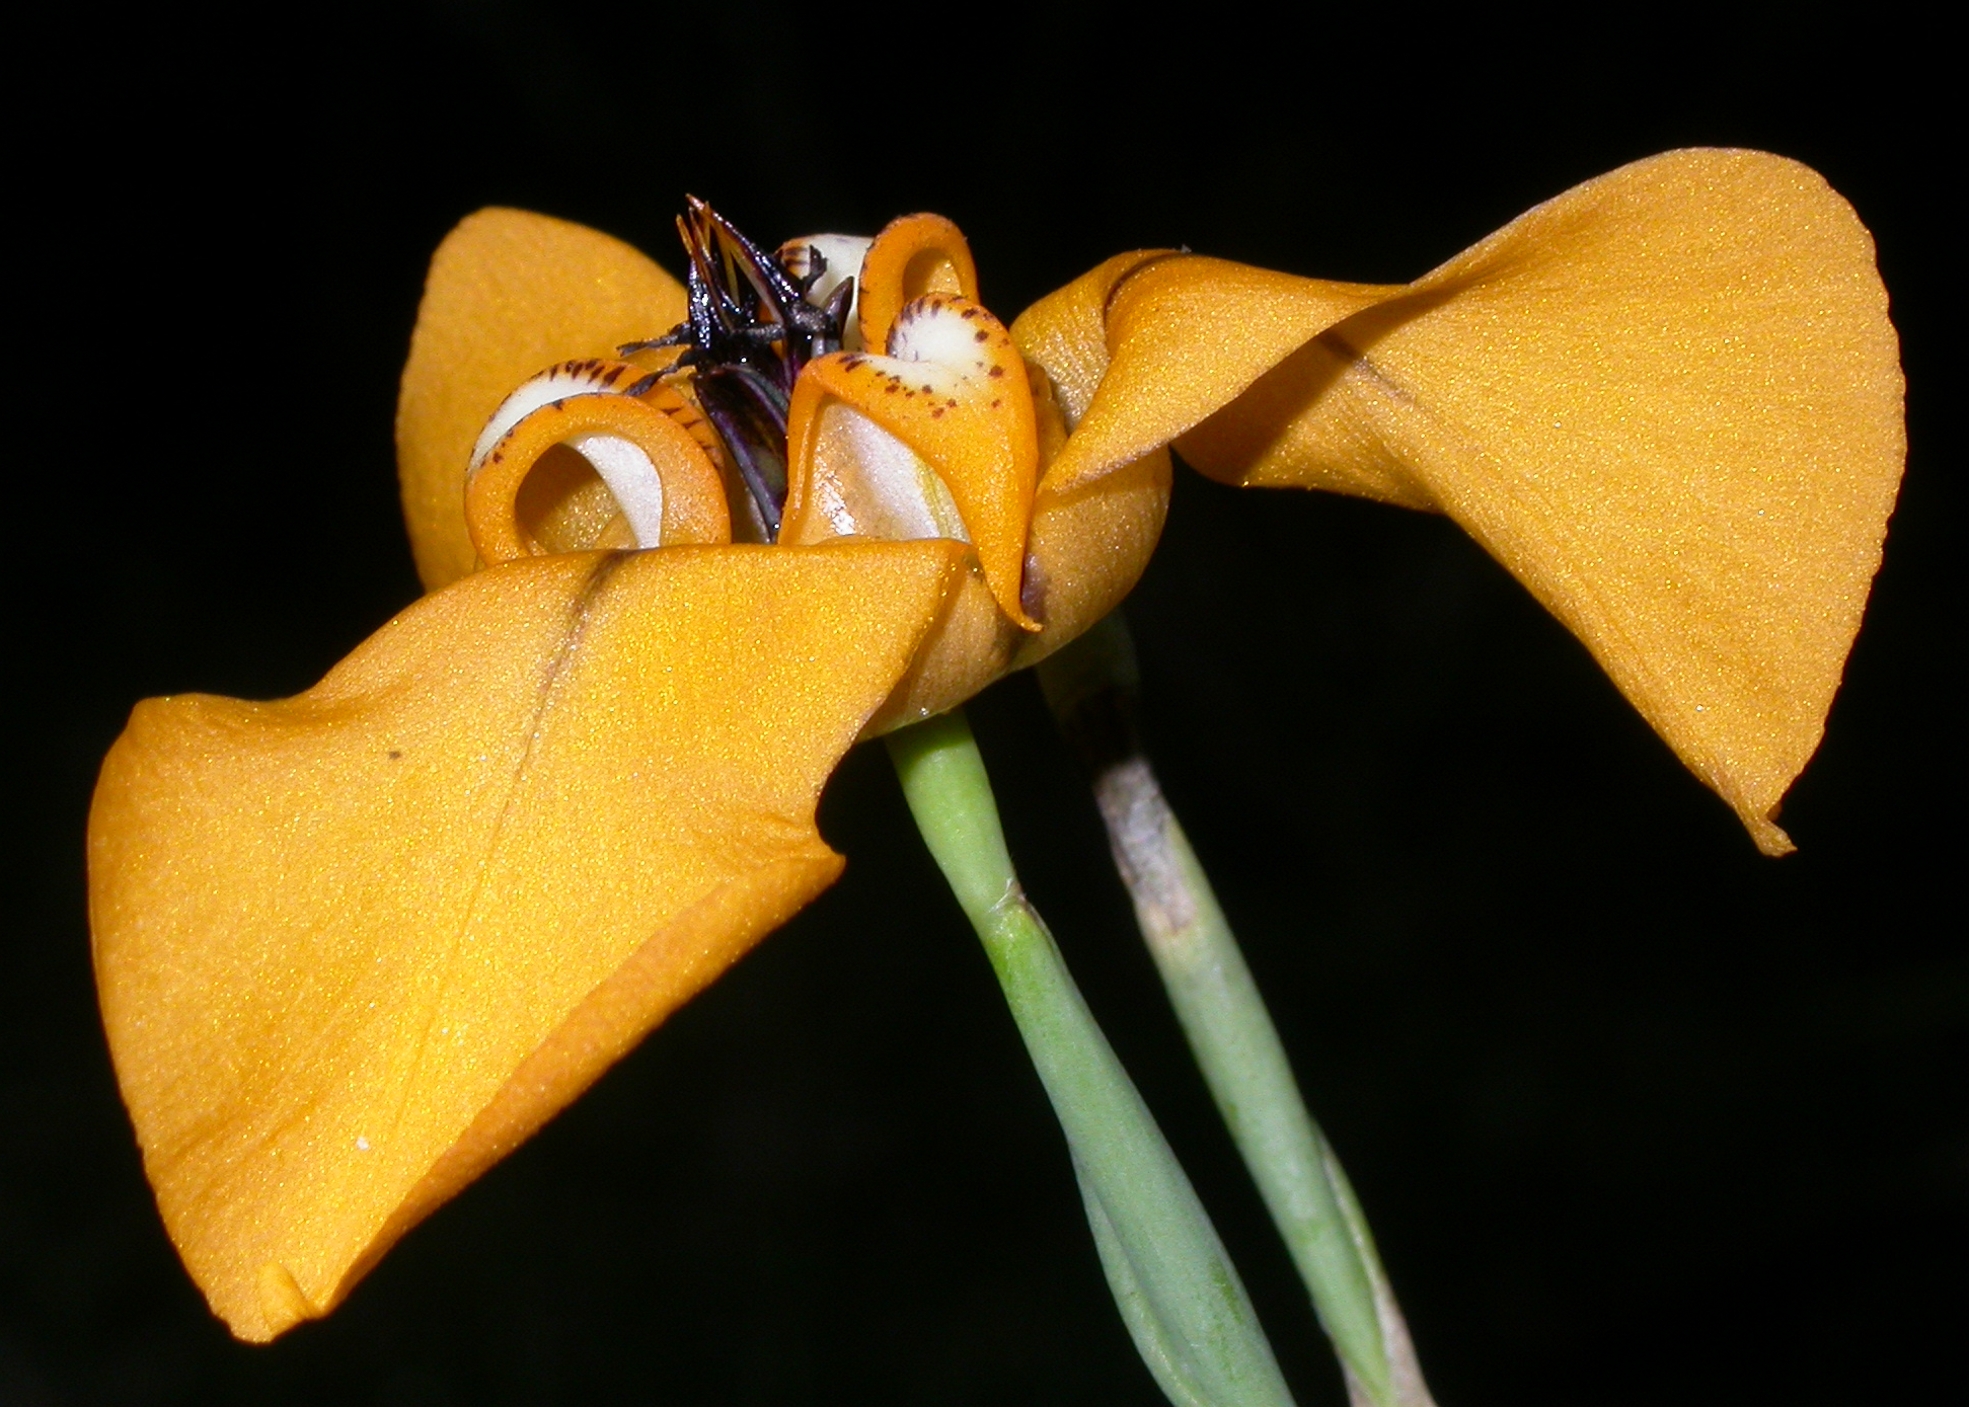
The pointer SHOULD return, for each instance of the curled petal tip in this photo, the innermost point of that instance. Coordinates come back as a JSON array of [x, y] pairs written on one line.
[[508, 293], [592, 453], [914, 255]]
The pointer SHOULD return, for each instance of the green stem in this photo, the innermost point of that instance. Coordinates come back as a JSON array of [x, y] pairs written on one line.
[[1090, 687], [1177, 1290]]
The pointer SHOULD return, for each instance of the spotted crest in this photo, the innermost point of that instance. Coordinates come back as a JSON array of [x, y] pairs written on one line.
[[593, 453], [915, 255], [952, 393]]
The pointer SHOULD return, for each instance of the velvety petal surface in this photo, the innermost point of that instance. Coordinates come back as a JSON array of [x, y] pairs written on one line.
[[508, 293], [1165, 339], [354, 946], [1669, 401]]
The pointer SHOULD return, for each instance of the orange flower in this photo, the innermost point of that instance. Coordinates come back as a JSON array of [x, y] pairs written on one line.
[[354, 946]]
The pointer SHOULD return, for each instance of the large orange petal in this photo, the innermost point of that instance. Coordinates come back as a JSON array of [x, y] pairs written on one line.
[[1166, 339], [508, 293], [1670, 402], [1066, 333], [354, 946]]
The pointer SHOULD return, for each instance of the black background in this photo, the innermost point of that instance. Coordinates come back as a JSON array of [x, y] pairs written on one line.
[[1638, 1116]]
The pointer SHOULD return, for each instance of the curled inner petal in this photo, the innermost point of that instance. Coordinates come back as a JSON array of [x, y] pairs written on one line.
[[570, 461], [508, 293], [913, 256], [956, 393], [864, 482]]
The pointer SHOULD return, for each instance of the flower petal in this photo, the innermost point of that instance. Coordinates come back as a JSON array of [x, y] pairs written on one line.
[[913, 256], [1088, 548], [570, 460], [354, 946], [1086, 551], [508, 293], [952, 389], [1180, 336], [1669, 401]]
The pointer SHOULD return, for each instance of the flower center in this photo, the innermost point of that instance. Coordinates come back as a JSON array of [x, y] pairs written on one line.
[[837, 387], [755, 320]]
